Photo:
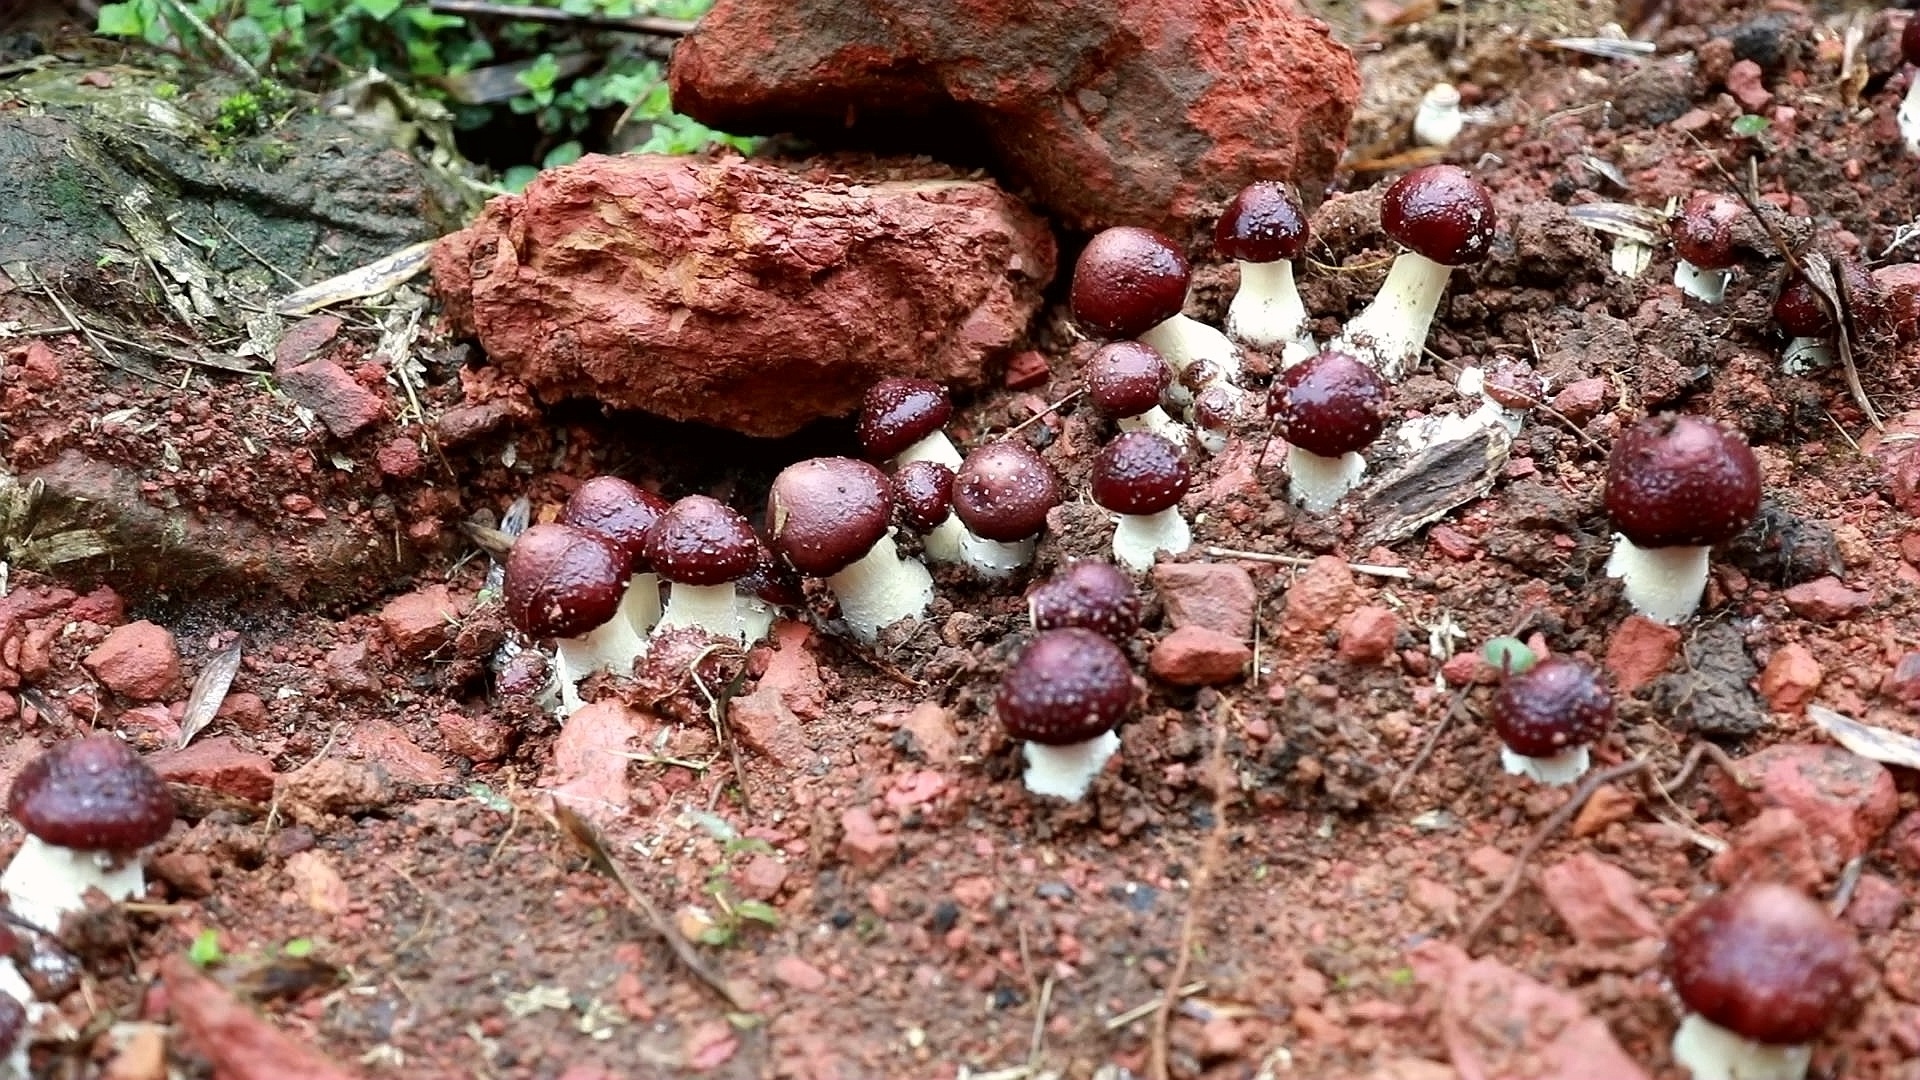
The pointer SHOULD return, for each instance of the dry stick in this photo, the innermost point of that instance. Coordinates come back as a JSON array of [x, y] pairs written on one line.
[[637, 24], [1399, 573], [1202, 874], [220, 44], [1048, 411]]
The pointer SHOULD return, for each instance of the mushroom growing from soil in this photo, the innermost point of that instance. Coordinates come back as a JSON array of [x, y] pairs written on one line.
[[1676, 486], [1908, 115], [1263, 230], [623, 513], [1437, 120], [1703, 239], [1328, 408], [1142, 477], [902, 420], [88, 806], [1763, 971], [923, 496], [569, 584], [1002, 493], [1445, 218], [1546, 718], [703, 547], [1090, 594], [1125, 380], [1800, 314], [832, 518], [1131, 283], [1063, 697]]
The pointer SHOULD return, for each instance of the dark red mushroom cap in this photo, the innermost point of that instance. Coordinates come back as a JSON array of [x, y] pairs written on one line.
[[562, 581], [1090, 594], [1214, 409], [1765, 962], [1798, 310], [1264, 223], [1140, 473], [923, 494], [92, 794], [1069, 686], [899, 412], [1703, 231], [13, 1024], [1329, 404], [772, 581], [1128, 281], [619, 511], [1442, 212], [1552, 707], [1910, 40], [1126, 378], [1003, 491], [702, 541], [1675, 480], [825, 514]]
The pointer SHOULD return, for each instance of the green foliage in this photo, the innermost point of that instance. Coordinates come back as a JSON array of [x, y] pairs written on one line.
[[205, 950], [1509, 655], [735, 914], [1749, 125]]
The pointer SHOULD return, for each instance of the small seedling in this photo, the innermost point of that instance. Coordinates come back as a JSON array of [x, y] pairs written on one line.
[[205, 951], [1509, 655]]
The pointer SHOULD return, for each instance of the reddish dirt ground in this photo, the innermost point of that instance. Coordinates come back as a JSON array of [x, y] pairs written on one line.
[[1304, 854]]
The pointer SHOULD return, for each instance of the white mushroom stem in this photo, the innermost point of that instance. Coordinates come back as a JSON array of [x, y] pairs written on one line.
[[1558, 770], [640, 604], [1437, 121], [44, 882], [1138, 538], [1182, 342], [1804, 354], [612, 646], [944, 543], [1706, 286], [1066, 772], [1316, 483], [713, 608], [1664, 584], [756, 619], [880, 589], [1266, 311], [993, 558], [935, 447], [1390, 333], [1711, 1052], [1473, 381], [1908, 115], [1157, 421]]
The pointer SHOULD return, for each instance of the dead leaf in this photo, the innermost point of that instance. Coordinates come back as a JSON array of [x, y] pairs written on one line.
[[1870, 742]]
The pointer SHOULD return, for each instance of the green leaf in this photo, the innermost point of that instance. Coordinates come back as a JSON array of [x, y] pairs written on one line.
[[759, 911], [565, 154], [518, 177], [379, 9], [121, 20], [298, 947], [1749, 125], [716, 935], [1509, 655], [205, 950], [540, 75]]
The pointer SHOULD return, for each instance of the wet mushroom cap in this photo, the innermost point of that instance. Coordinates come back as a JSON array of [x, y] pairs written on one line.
[[92, 794], [1675, 480], [702, 541], [1126, 378], [899, 412], [1140, 473], [1442, 212], [1127, 281], [1329, 404], [1765, 962], [1069, 686], [1264, 223], [923, 494], [1552, 707], [1003, 491], [772, 581], [562, 581], [1798, 310], [825, 514], [619, 511], [1703, 230], [1910, 40], [1091, 594]]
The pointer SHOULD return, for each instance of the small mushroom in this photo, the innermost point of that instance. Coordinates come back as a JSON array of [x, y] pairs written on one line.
[[902, 420], [1546, 718], [703, 548], [1063, 697], [569, 584], [1763, 971], [1090, 594], [1799, 313], [1125, 380], [1444, 217], [1676, 486], [88, 807], [1263, 230], [623, 513], [832, 518], [1908, 115], [1328, 408], [1131, 283], [1142, 477], [1703, 239], [1437, 120], [1002, 493], [923, 497]]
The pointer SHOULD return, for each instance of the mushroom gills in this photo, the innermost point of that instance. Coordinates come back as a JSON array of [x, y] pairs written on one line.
[[1066, 772], [1139, 538], [44, 882], [881, 588], [1559, 770], [1711, 1052], [1664, 584], [1392, 329], [1316, 483], [1706, 286]]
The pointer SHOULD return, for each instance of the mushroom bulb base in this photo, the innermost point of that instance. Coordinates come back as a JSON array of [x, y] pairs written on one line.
[[1066, 772], [1908, 116], [881, 589], [1392, 330], [44, 882], [1557, 771], [713, 608], [1267, 312], [1664, 583], [1711, 1052], [1316, 483], [1139, 538], [1706, 286]]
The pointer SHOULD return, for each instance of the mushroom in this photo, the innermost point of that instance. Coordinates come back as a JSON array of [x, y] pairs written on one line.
[[1445, 218], [831, 518], [768, 587], [1002, 493], [901, 420], [1763, 971], [703, 547], [569, 584], [1703, 238], [623, 512], [1799, 312], [1142, 477], [1215, 408], [1437, 119], [1090, 594], [1547, 716], [1908, 115], [1125, 380], [1063, 697], [1328, 408], [1264, 229], [1131, 283], [1676, 486], [923, 496], [88, 807]]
